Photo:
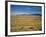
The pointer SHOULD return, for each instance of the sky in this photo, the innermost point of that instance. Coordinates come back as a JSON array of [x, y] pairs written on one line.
[[23, 9]]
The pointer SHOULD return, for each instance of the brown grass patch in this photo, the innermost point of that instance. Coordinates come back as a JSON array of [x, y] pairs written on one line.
[[25, 23]]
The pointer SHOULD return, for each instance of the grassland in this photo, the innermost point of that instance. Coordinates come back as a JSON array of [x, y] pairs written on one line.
[[25, 23]]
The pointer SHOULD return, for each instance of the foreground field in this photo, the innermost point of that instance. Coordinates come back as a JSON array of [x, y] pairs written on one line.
[[25, 23]]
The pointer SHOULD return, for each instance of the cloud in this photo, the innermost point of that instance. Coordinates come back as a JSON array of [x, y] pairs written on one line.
[[19, 13]]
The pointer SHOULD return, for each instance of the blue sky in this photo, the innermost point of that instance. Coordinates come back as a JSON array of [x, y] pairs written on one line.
[[23, 9]]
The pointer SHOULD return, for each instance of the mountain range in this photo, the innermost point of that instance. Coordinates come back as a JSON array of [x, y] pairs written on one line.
[[30, 14]]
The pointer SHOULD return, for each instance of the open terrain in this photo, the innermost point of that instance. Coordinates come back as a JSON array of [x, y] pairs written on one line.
[[25, 23]]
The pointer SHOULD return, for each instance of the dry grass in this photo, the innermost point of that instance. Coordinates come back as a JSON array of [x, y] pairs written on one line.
[[25, 23]]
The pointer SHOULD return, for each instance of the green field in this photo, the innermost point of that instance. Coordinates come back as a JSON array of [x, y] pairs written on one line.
[[25, 23]]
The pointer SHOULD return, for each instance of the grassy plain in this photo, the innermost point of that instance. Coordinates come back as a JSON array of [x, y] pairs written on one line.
[[25, 23]]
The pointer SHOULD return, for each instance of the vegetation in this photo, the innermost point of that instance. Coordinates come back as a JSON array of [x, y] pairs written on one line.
[[25, 23]]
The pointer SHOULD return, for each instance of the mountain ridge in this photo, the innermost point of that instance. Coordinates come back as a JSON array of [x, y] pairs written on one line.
[[30, 14]]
